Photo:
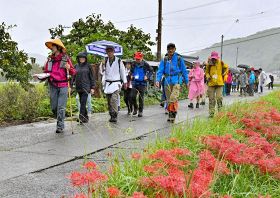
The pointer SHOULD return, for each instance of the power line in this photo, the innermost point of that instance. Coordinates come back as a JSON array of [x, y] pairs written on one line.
[[176, 11], [233, 43]]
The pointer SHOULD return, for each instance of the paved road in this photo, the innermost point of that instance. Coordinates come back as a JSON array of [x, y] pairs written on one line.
[[35, 160]]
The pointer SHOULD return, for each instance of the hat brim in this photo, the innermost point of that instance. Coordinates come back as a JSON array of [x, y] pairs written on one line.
[[215, 57], [49, 45]]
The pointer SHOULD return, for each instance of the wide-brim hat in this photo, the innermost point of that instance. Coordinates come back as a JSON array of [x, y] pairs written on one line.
[[57, 42]]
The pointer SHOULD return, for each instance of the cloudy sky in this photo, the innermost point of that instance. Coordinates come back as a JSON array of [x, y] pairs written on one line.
[[185, 22]]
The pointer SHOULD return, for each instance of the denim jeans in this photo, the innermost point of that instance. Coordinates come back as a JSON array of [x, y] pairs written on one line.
[[58, 97]]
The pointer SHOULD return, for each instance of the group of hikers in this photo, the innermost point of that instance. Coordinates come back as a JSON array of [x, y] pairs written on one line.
[[132, 76], [247, 82]]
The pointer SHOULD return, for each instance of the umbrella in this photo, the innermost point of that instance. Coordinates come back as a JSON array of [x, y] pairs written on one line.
[[99, 48], [234, 70], [244, 66]]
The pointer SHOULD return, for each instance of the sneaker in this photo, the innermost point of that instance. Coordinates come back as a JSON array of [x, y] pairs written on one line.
[[59, 131], [140, 114], [202, 103]]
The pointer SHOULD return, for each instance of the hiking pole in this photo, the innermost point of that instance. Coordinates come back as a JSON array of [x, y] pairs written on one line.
[[69, 96]]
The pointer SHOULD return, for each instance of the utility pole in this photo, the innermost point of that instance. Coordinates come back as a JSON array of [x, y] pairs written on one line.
[[222, 44], [159, 30], [237, 56]]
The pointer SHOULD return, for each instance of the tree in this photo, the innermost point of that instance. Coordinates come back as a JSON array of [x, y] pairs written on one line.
[[94, 28], [13, 62]]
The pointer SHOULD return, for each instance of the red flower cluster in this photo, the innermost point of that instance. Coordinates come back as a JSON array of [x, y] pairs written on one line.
[[174, 181], [89, 179], [136, 156], [113, 192], [203, 175], [260, 152], [138, 195]]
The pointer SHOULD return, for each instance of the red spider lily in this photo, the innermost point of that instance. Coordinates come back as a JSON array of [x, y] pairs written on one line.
[[136, 156], [180, 152], [77, 179], [138, 195], [264, 145], [80, 195], [172, 184], [113, 192], [155, 167], [173, 140], [247, 132], [271, 166], [89, 165], [95, 176]]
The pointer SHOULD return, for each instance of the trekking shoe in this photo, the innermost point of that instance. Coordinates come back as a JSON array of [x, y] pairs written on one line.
[[190, 105], [134, 112], [59, 131], [169, 116], [140, 114], [197, 105], [202, 103]]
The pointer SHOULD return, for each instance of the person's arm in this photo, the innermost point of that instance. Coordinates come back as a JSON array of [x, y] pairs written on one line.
[[200, 77], [91, 78], [160, 71], [185, 72], [225, 69], [72, 70], [122, 72], [149, 70], [207, 72]]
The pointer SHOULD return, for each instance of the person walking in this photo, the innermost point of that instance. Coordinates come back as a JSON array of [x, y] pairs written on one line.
[[216, 70], [114, 76], [140, 73], [243, 78], [127, 92], [174, 69], [252, 81], [85, 84], [196, 83], [262, 79], [270, 85], [229, 83], [58, 65]]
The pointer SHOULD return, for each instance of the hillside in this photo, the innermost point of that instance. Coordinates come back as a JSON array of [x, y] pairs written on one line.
[[259, 50]]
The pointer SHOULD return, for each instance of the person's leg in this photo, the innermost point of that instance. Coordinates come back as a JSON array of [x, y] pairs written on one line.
[[89, 106], [53, 99], [141, 100], [173, 107], [83, 110], [61, 107], [168, 90], [108, 96], [126, 100], [212, 101], [114, 105], [78, 102], [271, 85], [261, 88], [197, 102], [219, 97], [229, 88], [134, 93]]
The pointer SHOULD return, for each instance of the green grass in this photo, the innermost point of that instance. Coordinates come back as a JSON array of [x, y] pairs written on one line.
[[249, 182]]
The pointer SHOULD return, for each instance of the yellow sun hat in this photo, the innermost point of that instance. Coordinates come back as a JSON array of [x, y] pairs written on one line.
[[56, 42]]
